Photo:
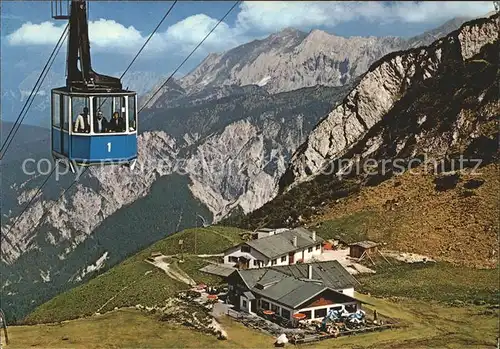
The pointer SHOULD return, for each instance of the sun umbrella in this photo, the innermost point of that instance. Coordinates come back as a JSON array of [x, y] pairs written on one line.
[[299, 316], [268, 312]]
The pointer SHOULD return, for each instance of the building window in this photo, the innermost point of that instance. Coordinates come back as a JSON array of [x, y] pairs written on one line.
[[265, 305], [320, 313], [310, 249], [318, 247], [307, 314], [233, 259], [283, 259], [285, 313], [245, 248], [351, 308], [244, 303], [275, 308], [274, 262], [255, 263]]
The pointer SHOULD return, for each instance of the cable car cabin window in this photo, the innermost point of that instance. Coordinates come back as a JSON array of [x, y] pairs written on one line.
[[56, 110], [104, 106], [65, 112], [131, 114], [118, 118], [80, 114]]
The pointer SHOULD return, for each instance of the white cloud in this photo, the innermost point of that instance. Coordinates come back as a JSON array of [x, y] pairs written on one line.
[[35, 34], [187, 33], [254, 18], [104, 34], [108, 35], [275, 15]]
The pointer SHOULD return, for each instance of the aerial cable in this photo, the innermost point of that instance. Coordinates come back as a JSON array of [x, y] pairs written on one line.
[[65, 190], [33, 94], [32, 100], [144, 45], [192, 52], [85, 170], [149, 38]]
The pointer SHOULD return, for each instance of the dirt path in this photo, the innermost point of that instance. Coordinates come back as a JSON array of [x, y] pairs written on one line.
[[342, 256], [210, 255], [172, 271]]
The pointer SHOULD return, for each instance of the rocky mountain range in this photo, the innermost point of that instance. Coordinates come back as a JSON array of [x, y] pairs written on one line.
[[210, 148], [292, 59], [389, 85], [431, 110]]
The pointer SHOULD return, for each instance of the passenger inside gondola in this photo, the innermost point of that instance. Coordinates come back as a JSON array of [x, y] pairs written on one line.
[[100, 123], [82, 123], [117, 124]]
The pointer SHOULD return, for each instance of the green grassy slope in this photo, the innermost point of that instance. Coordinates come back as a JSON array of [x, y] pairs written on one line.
[[134, 281], [168, 207]]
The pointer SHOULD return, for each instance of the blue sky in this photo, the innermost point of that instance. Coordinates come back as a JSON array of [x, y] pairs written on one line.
[[27, 25], [119, 28]]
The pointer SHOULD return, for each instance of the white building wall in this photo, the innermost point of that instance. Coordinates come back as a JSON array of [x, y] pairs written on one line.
[[327, 307], [349, 292], [251, 256], [255, 255], [280, 307], [308, 256], [245, 304], [263, 234], [279, 261]]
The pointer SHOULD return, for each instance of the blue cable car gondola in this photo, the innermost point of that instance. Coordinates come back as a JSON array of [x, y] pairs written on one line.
[[94, 120]]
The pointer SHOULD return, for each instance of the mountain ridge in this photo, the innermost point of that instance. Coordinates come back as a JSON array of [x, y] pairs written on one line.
[[340, 59], [234, 142]]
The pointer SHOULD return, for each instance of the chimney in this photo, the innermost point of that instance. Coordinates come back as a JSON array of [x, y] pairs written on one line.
[[309, 271], [314, 236], [295, 241]]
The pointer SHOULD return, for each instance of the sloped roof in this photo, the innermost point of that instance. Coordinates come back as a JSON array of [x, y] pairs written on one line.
[[217, 269], [249, 295], [280, 244], [289, 285], [365, 244], [331, 274], [251, 276], [291, 291]]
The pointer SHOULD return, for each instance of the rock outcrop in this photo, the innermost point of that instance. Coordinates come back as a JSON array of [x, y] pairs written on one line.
[[292, 59], [386, 83]]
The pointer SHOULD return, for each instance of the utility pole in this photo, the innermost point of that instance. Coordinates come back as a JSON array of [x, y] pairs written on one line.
[[195, 235], [181, 244], [3, 324]]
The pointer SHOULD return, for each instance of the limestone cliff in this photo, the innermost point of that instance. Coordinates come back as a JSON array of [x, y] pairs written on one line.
[[387, 82]]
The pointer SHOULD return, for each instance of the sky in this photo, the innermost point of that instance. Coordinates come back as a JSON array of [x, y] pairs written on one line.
[[123, 26], [117, 29]]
